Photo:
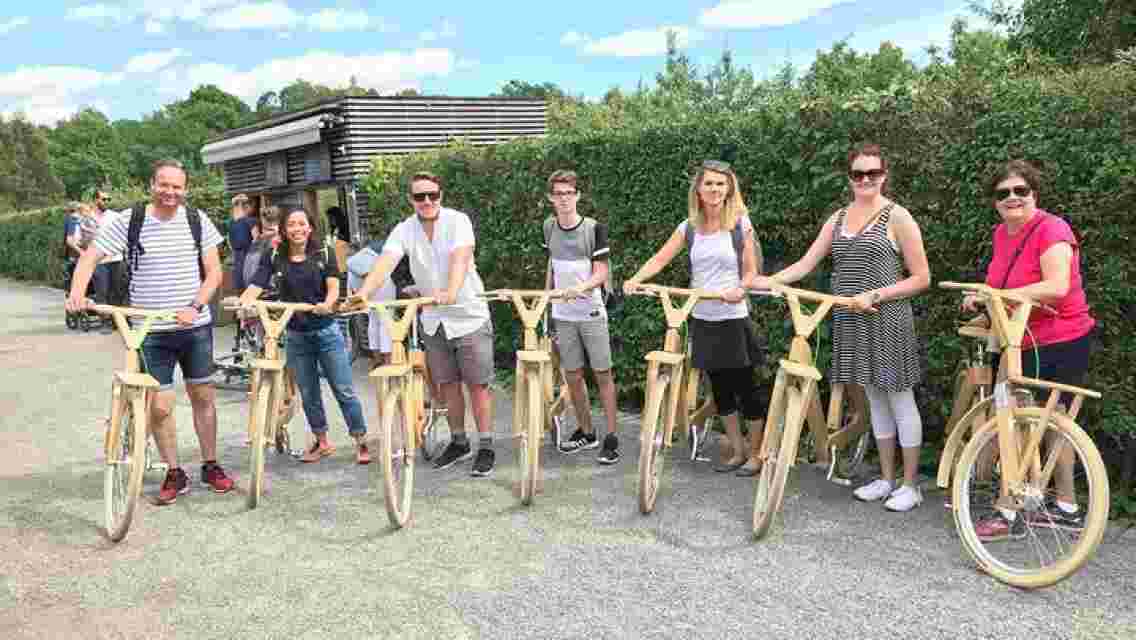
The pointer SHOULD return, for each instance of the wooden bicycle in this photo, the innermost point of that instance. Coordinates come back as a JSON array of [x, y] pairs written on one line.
[[973, 397], [665, 384], [697, 409], [1033, 447], [536, 408], [401, 389], [125, 445], [272, 401], [793, 402]]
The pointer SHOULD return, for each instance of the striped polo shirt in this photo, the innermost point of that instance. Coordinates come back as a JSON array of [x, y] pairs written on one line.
[[167, 276]]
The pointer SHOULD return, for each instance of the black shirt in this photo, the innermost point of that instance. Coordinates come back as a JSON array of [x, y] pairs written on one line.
[[301, 282]]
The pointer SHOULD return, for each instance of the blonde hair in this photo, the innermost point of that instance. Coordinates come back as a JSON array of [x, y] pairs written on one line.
[[733, 209]]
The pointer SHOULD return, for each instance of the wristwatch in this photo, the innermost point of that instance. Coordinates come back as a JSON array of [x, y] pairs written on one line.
[[196, 306], [875, 297]]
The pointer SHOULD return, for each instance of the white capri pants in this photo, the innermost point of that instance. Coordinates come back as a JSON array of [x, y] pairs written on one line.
[[895, 413]]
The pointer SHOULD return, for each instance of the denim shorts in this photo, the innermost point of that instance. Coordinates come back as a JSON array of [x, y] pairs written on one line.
[[191, 349]]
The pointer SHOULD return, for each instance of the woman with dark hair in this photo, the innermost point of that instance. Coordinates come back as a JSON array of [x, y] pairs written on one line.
[[723, 341], [304, 272], [1037, 255], [872, 241]]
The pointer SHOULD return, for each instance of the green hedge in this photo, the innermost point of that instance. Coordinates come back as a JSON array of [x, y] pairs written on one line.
[[942, 140]]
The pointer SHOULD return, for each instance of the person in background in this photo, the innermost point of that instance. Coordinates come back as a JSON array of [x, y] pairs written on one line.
[[241, 231]]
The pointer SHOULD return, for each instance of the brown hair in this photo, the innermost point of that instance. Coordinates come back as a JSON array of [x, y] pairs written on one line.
[[171, 164], [315, 240], [563, 176], [425, 175], [867, 149], [1020, 168]]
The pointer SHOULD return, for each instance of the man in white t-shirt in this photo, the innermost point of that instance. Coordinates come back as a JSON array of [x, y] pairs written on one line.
[[578, 264], [169, 272], [457, 331]]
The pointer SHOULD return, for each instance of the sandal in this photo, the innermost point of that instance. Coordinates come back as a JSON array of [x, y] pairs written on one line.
[[317, 452]]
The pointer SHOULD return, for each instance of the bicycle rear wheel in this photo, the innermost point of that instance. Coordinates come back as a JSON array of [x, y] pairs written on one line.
[[770, 486], [125, 464], [262, 412], [396, 450], [1041, 547], [652, 449]]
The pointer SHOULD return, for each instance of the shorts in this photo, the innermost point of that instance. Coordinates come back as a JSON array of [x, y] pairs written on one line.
[[467, 359], [577, 339], [191, 349]]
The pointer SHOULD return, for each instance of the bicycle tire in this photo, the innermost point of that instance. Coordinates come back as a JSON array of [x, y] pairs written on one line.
[[122, 476], [397, 463], [261, 414], [428, 437], [652, 452], [769, 490], [530, 442], [991, 558]]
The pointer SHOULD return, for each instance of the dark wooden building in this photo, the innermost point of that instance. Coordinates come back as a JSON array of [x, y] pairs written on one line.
[[286, 159]]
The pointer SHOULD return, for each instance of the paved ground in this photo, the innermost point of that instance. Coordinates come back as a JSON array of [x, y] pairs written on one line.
[[318, 558]]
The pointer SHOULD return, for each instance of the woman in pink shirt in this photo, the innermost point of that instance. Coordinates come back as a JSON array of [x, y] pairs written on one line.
[[1037, 255]]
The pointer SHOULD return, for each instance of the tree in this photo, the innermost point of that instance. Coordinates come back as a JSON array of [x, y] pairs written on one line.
[[522, 89], [844, 71], [1069, 31], [26, 179], [87, 153]]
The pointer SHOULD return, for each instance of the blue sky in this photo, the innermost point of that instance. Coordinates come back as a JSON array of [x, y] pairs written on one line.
[[127, 58]]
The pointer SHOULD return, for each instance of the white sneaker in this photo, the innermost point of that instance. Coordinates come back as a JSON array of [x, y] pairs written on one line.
[[904, 498], [877, 489]]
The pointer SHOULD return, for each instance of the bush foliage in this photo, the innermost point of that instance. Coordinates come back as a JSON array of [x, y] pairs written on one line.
[[942, 135]]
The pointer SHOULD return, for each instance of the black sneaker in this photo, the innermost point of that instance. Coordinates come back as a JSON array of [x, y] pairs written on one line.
[[483, 466], [579, 441], [610, 453], [453, 453]]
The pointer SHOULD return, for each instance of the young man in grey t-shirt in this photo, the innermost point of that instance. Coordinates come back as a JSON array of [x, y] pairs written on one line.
[[578, 264]]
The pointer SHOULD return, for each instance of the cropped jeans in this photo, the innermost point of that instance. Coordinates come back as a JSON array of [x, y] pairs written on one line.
[[308, 353]]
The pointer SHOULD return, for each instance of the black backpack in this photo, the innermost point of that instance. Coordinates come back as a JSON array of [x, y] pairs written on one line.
[[280, 264], [135, 250]]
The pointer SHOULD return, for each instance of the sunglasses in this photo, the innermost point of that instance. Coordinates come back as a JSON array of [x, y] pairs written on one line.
[[857, 175], [716, 165], [1020, 191], [434, 196]]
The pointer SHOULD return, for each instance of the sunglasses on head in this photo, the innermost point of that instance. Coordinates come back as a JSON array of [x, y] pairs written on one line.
[[421, 196], [1020, 191], [716, 165], [872, 174]]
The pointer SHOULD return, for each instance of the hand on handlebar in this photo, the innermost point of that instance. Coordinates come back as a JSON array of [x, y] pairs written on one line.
[[862, 303], [630, 287], [444, 297], [324, 309], [77, 304], [733, 294], [971, 302]]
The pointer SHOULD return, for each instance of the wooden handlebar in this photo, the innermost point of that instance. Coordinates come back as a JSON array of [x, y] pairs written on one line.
[[804, 294], [657, 289], [134, 312]]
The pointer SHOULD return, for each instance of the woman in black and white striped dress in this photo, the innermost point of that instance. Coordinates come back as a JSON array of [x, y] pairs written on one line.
[[872, 242]]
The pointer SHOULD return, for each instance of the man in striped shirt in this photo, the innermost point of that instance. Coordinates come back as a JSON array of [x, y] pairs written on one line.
[[167, 276]]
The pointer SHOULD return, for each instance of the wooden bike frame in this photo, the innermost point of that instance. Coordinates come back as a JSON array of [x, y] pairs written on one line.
[[534, 407], [272, 393], [130, 392], [400, 390], [973, 398], [794, 401], [1023, 473], [664, 386]]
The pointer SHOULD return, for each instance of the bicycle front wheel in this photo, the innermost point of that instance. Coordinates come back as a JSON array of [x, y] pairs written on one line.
[[652, 449], [125, 464], [770, 486], [396, 451], [262, 411], [1041, 546]]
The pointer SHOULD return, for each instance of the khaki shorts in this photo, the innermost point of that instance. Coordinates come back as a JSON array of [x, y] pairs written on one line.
[[574, 339], [467, 359]]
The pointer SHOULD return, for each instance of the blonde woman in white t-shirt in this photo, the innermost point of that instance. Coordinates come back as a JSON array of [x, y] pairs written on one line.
[[723, 341]]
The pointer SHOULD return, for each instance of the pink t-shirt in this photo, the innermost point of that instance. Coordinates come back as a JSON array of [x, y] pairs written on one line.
[[1072, 319]]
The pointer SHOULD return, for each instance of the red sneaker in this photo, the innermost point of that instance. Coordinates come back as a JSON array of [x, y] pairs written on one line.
[[175, 484], [213, 475]]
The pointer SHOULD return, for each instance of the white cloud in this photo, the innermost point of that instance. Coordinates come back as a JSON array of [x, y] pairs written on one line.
[[46, 94], [101, 13], [340, 20], [154, 27], [754, 14], [153, 61], [265, 15], [13, 24], [387, 72], [573, 38], [639, 42], [913, 36]]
